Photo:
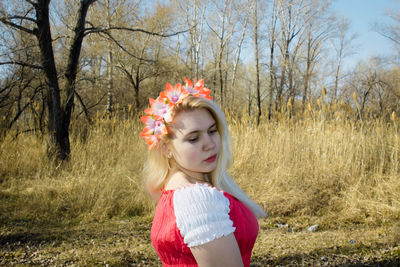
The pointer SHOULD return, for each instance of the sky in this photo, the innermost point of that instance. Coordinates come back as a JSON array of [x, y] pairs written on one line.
[[363, 14]]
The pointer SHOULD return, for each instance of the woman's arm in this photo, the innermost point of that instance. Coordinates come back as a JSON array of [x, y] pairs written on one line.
[[202, 217], [222, 252]]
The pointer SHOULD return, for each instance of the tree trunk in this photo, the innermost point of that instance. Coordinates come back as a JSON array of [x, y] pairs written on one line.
[[272, 80], [59, 112], [337, 73], [282, 83], [58, 139], [109, 84], [257, 63], [307, 72], [137, 86], [272, 75], [109, 108], [236, 62], [221, 82]]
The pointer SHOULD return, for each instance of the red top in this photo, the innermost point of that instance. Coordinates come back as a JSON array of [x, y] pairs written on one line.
[[169, 242]]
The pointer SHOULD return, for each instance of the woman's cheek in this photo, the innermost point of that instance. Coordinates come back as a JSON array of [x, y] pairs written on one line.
[[192, 156]]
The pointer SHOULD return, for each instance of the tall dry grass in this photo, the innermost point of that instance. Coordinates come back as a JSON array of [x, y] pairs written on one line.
[[333, 170], [101, 180]]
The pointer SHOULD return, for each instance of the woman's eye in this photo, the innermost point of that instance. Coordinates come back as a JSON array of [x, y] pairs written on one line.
[[213, 131], [192, 140]]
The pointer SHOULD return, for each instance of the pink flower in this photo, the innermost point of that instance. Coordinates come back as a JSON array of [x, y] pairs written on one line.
[[151, 139], [154, 124], [174, 94], [198, 89], [159, 107]]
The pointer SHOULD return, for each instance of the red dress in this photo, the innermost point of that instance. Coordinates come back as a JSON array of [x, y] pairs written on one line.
[[195, 215]]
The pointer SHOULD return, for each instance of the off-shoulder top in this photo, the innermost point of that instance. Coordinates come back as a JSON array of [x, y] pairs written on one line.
[[197, 214]]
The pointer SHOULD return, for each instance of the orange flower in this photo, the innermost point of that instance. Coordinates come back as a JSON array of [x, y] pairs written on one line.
[[198, 89], [174, 94]]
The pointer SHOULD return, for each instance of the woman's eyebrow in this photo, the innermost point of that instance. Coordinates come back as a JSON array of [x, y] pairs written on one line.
[[196, 131]]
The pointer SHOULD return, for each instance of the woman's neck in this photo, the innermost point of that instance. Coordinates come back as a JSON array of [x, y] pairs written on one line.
[[194, 177], [190, 176]]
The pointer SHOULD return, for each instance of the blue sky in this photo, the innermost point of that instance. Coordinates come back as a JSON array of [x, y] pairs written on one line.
[[363, 14]]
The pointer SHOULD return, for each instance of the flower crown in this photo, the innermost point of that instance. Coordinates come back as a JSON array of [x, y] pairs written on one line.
[[161, 108]]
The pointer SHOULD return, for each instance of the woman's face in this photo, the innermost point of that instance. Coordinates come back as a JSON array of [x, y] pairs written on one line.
[[196, 141]]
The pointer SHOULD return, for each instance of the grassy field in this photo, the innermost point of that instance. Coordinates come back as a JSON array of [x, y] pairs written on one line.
[[343, 176]]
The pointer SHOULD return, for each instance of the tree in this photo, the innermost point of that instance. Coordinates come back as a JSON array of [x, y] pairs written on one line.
[[193, 18], [318, 29], [236, 57], [222, 30], [17, 95], [341, 41], [36, 21], [291, 17], [365, 85], [256, 23], [20, 85], [33, 17], [148, 50], [106, 14], [272, 42], [392, 32]]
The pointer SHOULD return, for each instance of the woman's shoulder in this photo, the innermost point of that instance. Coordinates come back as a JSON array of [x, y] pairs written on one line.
[[202, 213], [200, 197]]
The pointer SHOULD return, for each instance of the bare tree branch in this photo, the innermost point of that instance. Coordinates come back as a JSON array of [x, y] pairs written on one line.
[[22, 64], [11, 51], [389, 37], [212, 29], [32, 3], [19, 113], [123, 48], [19, 27], [85, 110], [98, 102], [22, 18], [104, 30]]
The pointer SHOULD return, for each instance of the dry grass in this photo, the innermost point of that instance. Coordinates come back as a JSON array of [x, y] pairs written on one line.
[[340, 172], [125, 242], [109, 243], [334, 170], [102, 179], [325, 170]]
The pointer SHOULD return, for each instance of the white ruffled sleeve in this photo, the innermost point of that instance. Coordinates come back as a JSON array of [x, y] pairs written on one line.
[[202, 214]]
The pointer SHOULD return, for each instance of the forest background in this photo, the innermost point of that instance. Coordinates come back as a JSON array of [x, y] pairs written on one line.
[[314, 143]]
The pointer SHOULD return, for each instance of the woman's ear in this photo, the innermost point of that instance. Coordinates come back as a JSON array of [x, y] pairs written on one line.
[[166, 151]]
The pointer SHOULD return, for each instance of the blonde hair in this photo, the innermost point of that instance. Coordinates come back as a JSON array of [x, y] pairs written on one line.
[[157, 166]]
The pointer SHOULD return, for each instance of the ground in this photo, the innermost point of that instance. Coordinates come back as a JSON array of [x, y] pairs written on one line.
[[126, 242]]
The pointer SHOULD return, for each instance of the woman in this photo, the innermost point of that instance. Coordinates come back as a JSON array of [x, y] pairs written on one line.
[[202, 217]]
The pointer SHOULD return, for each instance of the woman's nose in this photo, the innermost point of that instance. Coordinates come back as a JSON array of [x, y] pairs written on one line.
[[209, 142]]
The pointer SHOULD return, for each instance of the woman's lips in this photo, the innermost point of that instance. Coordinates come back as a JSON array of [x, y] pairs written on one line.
[[211, 159]]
